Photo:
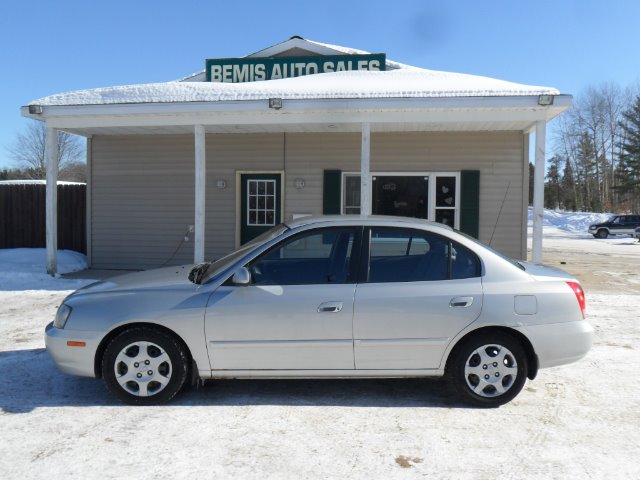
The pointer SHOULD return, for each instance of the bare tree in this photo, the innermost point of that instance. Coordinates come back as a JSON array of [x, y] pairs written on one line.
[[28, 152], [589, 138]]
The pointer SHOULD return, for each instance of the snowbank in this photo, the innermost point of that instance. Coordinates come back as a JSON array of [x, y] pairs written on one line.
[[24, 269], [573, 222]]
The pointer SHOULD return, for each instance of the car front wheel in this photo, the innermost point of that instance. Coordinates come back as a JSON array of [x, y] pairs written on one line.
[[602, 233], [489, 369], [144, 366]]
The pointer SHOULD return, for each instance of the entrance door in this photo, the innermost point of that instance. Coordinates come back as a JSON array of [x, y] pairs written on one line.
[[260, 204], [405, 196]]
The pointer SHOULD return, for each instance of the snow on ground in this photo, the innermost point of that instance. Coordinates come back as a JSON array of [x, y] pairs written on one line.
[[576, 421], [573, 222], [602, 265], [24, 269]]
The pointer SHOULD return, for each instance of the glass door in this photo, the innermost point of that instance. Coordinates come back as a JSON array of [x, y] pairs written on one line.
[[400, 195]]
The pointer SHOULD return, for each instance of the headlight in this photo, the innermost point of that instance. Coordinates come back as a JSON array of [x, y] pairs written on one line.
[[62, 316]]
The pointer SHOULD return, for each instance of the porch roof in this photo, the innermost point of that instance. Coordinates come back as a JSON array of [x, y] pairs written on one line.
[[402, 98]]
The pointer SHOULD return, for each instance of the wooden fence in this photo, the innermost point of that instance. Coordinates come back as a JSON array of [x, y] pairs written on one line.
[[22, 216]]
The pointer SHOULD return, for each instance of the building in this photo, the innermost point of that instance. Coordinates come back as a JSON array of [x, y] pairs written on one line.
[[295, 129]]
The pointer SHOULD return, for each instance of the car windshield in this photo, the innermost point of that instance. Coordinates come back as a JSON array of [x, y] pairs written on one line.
[[218, 266]]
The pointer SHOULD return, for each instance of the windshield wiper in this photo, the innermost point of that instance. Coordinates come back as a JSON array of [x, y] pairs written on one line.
[[198, 272]]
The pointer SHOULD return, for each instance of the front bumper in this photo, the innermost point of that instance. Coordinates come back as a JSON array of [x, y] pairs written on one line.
[[559, 343], [72, 360]]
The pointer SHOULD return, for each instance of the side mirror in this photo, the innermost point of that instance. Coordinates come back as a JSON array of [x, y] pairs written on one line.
[[242, 277]]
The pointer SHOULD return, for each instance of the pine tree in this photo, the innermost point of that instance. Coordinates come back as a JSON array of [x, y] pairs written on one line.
[[587, 159], [552, 186], [630, 156], [568, 188]]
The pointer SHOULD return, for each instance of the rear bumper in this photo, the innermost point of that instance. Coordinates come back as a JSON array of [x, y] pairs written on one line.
[[72, 360], [559, 343]]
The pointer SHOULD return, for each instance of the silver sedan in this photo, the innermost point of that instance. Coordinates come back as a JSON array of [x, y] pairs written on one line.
[[328, 297]]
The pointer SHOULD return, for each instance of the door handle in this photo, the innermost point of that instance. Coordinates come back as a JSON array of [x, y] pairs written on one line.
[[330, 307], [461, 302]]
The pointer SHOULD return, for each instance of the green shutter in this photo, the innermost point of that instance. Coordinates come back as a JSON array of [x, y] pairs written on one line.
[[331, 192], [470, 202]]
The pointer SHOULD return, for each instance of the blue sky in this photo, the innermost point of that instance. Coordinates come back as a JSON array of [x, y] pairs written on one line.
[[50, 47]]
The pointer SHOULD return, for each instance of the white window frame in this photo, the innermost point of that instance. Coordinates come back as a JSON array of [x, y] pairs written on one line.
[[431, 212], [258, 195]]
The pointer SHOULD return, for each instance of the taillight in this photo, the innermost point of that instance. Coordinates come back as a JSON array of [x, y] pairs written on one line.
[[577, 289]]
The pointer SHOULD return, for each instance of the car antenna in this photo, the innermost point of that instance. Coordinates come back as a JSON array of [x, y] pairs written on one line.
[[499, 213]]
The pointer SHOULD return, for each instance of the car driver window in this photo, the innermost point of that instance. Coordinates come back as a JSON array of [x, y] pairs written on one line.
[[310, 258]]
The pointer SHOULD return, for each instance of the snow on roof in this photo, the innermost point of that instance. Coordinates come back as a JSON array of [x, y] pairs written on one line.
[[339, 48], [398, 81], [36, 182]]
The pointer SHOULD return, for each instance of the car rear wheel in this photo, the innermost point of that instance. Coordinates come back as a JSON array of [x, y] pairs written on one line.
[[489, 369], [602, 233], [144, 366]]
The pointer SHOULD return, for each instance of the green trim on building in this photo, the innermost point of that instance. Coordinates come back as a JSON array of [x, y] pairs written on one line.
[[470, 202], [331, 189]]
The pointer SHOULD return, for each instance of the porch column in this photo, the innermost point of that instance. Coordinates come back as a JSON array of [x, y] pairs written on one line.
[[538, 191], [365, 155], [51, 161], [201, 173]]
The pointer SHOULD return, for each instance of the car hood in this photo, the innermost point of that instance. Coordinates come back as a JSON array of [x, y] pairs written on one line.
[[160, 278], [545, 272]]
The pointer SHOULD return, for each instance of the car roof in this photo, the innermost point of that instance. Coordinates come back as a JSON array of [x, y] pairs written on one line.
[[387, 220]]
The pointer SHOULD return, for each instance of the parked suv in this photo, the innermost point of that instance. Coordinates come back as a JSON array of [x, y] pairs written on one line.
[[616, 225]]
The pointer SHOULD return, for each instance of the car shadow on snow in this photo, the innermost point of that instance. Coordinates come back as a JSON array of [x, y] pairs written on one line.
[[29, 380], [357, 392], [634, 243]]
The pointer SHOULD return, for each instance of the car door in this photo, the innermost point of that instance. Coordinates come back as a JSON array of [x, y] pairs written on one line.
[[418, 291], [617, 226], [296, 314], [630, 223]]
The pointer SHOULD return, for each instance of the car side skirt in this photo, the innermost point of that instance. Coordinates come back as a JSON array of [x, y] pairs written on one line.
[[324, 373]]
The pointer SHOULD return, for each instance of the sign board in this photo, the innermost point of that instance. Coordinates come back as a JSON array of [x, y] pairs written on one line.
[[239, 70]]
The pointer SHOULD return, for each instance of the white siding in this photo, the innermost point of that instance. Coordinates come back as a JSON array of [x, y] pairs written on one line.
[[142, 197], [141, 200], [497, 155], [227, 154], [308, 155]]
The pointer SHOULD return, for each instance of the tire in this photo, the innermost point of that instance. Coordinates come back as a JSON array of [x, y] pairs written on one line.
[[602, 233], [493, 380], [145, 366]]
